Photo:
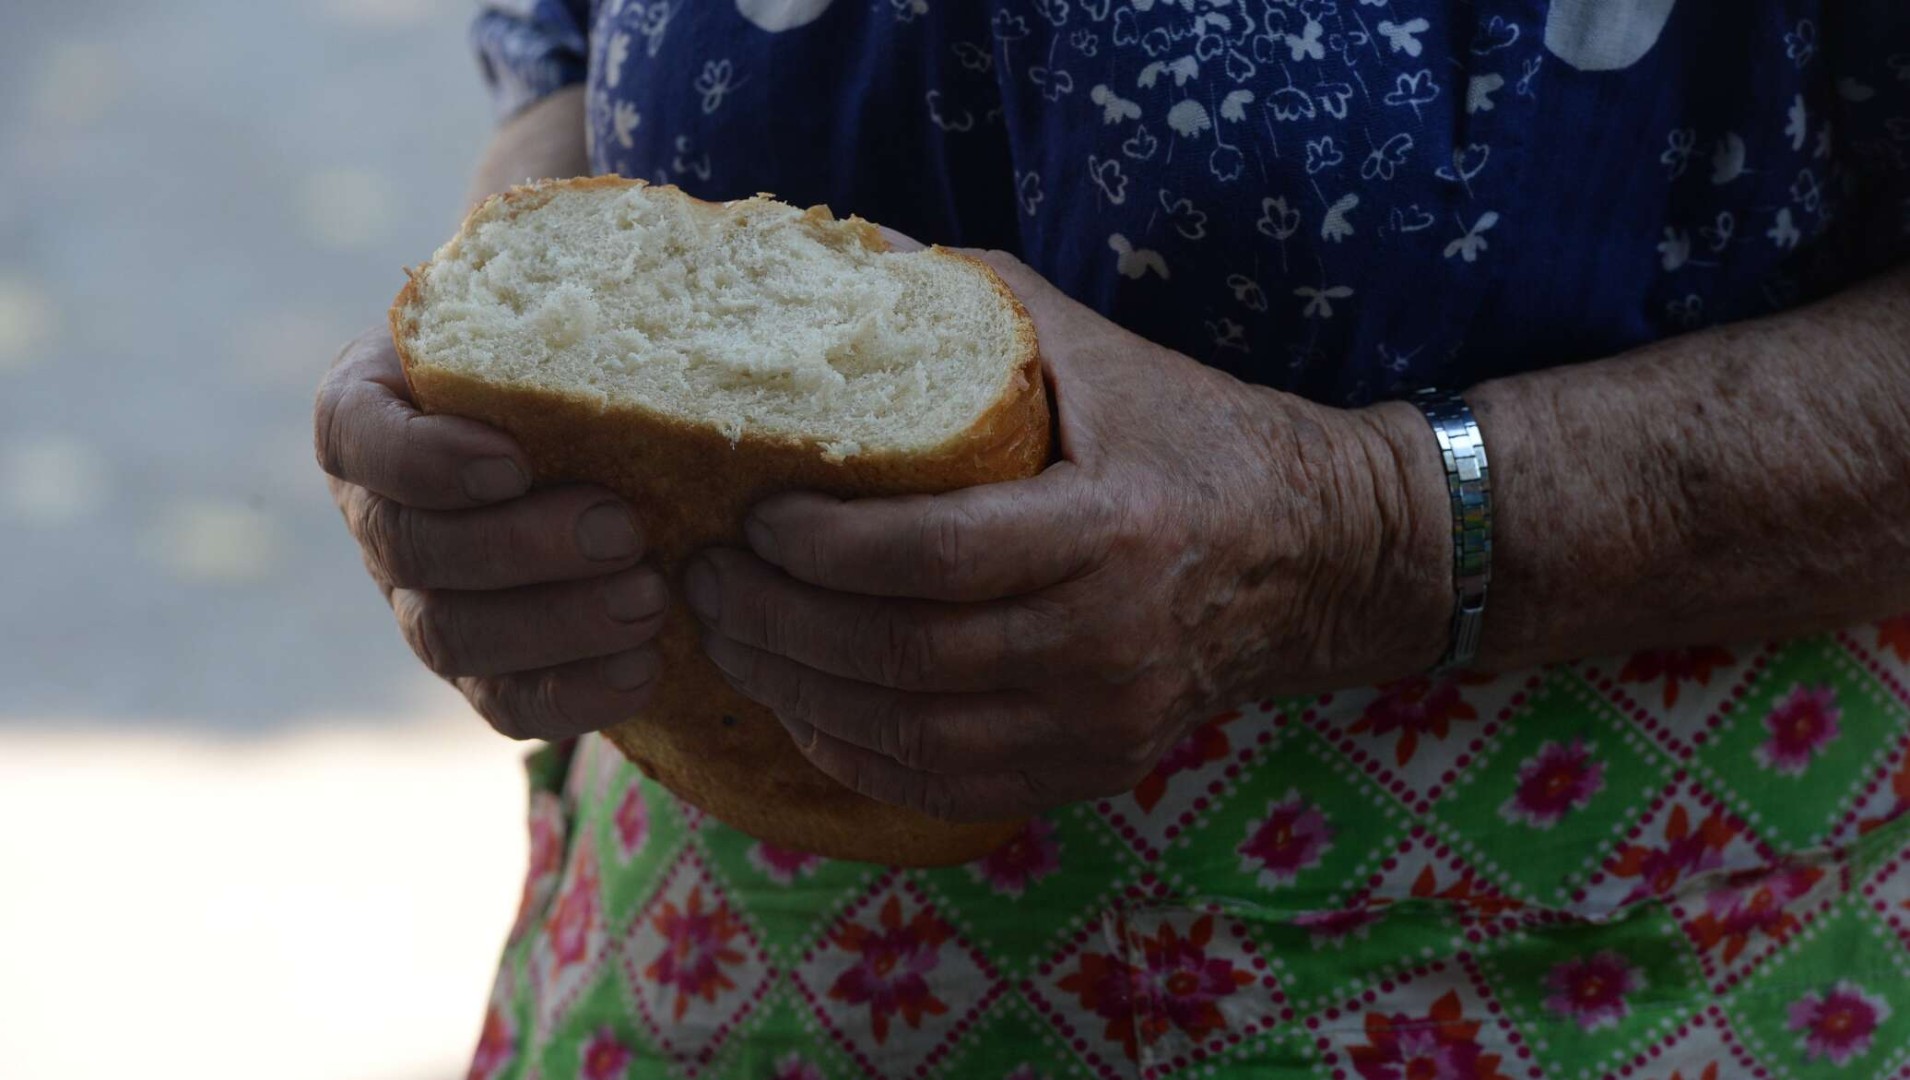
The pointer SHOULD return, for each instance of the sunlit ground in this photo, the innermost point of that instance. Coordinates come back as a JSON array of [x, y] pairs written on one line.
[[323, 904]]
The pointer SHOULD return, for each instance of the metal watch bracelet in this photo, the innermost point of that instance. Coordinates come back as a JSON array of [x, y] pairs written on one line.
[[1469, 484]]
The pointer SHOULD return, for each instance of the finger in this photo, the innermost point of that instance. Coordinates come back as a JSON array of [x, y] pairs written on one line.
[[1063, 323], [951, 734], [567, 700], [557, 534], [368, 432], [510, 630], [980, 543], [973, 797], [1085, 354], [904, 644]]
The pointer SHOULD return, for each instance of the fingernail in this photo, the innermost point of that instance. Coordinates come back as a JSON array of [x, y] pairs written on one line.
[[762, 539], [631, 670], [634, 597], [494, 478], [605, 532], [702, 591]]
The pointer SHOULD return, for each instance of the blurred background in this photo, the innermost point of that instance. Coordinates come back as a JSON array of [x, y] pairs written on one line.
[[242, 834]]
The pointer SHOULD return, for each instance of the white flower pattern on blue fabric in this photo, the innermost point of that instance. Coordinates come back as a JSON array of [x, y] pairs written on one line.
[[1241, 149]]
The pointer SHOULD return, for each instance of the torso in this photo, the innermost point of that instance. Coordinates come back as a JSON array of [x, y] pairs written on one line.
[[1684, 864]]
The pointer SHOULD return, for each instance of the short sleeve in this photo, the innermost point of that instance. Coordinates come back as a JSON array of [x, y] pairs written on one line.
[[529, 49]]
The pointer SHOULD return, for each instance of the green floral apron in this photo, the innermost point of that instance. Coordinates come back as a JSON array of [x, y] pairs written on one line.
[[1682, 864]]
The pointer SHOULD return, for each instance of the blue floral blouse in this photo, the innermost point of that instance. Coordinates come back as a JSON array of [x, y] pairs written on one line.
[[1342, 198]]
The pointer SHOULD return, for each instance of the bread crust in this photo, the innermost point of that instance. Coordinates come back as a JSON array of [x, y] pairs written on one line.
[[691, 486]]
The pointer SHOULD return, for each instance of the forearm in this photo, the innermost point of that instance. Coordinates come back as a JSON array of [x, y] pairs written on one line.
[[1746, 482], [544, 141]]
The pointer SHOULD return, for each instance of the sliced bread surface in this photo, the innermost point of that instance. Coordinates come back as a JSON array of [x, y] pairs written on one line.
[[696, 357], [751, 316]]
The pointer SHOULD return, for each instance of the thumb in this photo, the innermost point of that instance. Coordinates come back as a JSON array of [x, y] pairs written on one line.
[[1091, 361], [1076, 340]]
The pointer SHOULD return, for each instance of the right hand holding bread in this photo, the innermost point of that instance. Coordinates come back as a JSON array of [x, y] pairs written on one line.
[[693, 358], [533, 603]]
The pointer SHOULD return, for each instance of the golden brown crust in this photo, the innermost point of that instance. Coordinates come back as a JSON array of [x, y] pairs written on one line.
[[691, 486]]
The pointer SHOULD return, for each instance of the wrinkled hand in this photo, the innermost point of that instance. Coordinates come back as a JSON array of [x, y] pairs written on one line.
[[531, 602], [1005, 649]]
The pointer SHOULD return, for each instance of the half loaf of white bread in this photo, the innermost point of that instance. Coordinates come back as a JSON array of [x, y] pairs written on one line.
[[696, 357]]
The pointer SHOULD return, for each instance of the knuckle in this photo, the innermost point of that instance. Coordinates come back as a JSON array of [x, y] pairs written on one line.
[[947, 556], [346, 445], [389, 533], [494, 703], [508, 724], [433, 631], [810, 554], [1038, 632], [492, 548], [548, 704], [326, 408], [909, 653], [793, 700], [757, 617], [904, 739], [377, 573]]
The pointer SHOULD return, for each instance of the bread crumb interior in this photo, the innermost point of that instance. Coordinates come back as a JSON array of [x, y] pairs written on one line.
[[749, 317]]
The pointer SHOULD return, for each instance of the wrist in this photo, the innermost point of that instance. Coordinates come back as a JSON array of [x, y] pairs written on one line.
[[1411, 578], [1344, 541]]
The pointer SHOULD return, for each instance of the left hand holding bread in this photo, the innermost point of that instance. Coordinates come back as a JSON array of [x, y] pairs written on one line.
[[1001, 650]]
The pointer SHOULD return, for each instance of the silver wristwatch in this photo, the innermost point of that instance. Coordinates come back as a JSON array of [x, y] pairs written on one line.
[[1469, 483]]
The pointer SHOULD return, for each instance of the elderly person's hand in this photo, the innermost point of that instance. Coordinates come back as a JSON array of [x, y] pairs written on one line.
[[532, 602], [1004, 649]]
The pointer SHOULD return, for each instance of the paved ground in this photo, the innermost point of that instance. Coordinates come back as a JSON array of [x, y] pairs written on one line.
[[202, 198], [234, 815]]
